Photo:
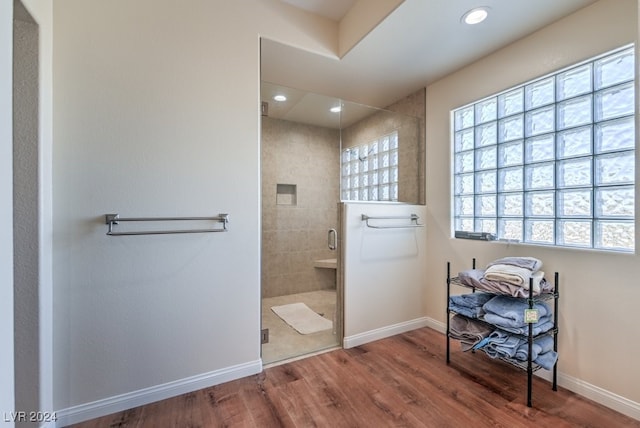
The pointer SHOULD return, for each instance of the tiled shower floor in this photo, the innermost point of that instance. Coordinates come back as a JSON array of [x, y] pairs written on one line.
[[284, 341]]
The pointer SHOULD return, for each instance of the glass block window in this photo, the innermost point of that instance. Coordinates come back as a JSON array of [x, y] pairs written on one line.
[[370, 171], [552, 162]]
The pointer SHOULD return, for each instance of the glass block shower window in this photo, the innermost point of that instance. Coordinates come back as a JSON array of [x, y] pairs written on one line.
[[552, 162], [370, 171]]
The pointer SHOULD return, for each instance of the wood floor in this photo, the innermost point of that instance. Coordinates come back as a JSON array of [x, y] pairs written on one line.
[[401, 381]]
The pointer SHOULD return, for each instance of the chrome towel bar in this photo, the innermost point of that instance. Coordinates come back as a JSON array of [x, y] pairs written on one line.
[[114, 219], [413, 217]]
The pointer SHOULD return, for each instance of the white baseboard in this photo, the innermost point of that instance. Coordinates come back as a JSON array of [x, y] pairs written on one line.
[[141, 397], [436, 325], [580, 387], [601, 396], [144, 396], [381, 333]]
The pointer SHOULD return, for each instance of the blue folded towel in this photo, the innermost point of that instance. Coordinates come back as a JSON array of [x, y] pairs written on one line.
[[509, 311], [547, 360], [539, 346], [542, 352], [472, 300], [502, 344], [469, 305], [543, 325], [467, 312]]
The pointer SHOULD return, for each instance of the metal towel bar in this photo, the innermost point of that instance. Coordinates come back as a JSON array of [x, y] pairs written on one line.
[[413, 217], [113, 219]]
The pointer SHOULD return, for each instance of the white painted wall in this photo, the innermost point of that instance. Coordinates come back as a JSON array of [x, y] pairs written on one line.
[[132, 80], [363, 16], [26, 211], [156, 113], [383, 270], [599, 291], [42, 12], [6, 210]]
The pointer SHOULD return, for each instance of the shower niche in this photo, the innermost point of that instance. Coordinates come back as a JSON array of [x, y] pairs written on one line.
[[286, 194], [317, 151]]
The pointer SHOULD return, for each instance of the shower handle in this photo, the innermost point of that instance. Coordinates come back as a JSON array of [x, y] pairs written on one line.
[[332, 238]]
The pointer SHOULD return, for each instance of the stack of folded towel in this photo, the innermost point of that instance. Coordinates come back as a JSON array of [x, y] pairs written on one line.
[[494, 320], [509, 275], [468, 331], [500, 344], [507, 313], [470, 305], [519, 271]]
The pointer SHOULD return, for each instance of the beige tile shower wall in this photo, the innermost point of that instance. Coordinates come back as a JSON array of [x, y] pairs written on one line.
[[414, 105], [293, 236], [410, 126]]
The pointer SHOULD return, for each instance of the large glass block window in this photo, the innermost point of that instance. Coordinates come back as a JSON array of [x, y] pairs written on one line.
[[370, 171], [552, 162]]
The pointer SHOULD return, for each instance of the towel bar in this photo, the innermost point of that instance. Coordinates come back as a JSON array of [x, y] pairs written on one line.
[[413, 217], [114, 219]]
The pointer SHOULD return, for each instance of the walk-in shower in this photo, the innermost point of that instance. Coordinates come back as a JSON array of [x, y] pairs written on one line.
[[317, 151], [300, 161]]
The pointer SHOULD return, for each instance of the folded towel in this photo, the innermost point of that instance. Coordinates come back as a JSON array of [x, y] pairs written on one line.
[[543, 325], [475, 278], [510, 310], [467, 312], [502, 344], [468, 331], [542, 352], [534, 281], [530, 263], [507, 273], [539, 346], [470, 304], [472, 300], [547, 360]]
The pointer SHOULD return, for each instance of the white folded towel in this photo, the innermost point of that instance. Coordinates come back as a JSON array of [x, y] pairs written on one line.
[[514, 275]]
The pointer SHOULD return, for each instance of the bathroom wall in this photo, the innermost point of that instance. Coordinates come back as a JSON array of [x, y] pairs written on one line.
[[414, 105], [384, 270], [26, 211], [410, 127], [156, 114], [6, 208], [294, 235], [598, 289]]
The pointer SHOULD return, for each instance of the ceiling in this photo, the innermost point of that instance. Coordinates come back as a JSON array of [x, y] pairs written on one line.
[[332, 9], [312, 108], [417, 44]]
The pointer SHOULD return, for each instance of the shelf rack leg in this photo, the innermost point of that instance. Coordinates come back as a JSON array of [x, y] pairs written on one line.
[[530, 344], [448, 316], [555, 324]]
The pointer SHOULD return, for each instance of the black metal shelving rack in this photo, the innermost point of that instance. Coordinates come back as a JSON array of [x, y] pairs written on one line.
[[530, 366]]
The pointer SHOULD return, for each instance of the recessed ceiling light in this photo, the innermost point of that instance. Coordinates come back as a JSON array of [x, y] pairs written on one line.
[[280, 97], [335, 109], [475, 16]]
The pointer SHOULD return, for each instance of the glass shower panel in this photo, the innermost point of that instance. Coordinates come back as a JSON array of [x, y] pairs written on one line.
[[389, 144], [300, 146]]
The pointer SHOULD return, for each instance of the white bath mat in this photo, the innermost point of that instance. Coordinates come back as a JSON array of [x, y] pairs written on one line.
[[302, 318]]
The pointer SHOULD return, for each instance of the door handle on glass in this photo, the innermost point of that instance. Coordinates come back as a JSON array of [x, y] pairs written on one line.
[[332, 237]]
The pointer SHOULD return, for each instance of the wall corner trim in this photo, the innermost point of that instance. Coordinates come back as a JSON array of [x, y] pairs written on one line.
[[118, 403]]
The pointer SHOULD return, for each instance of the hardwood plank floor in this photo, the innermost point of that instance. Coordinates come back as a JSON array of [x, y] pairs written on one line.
[[401, 381]]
